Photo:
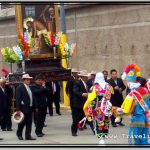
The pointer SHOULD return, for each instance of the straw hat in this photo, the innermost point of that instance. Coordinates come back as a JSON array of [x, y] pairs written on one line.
[[89, 74], [93, 72], [18, 117], [74, 70], [83, 73], [26, 76]]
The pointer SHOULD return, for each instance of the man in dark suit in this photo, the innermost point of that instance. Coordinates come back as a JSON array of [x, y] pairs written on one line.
[[80, 91], [6, 121], [105, 73], [90, 82], [25, 104], [40, 94], [53, 96], [117, 97], [2, 101], [70, 84]]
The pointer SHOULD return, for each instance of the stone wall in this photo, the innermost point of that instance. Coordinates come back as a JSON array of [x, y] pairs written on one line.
[[110, 36], [8, 34], [8, 38]]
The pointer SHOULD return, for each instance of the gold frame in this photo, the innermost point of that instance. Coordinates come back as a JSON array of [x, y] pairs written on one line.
[[19, 26]]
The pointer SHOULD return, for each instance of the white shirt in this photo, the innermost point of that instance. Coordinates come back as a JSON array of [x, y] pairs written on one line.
[[2, 89], [53, 87], [30, 94], [115, 81]]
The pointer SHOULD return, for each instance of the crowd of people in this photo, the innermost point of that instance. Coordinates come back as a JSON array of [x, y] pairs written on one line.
[[98, 100], [32, 98], [97, 97], [79, 87]]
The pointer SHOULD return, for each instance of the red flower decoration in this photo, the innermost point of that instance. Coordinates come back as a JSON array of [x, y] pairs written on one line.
[[6, 72], [52, 39], [25, 46]]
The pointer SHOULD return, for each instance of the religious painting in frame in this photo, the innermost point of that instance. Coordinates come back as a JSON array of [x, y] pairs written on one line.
[[38, 19]]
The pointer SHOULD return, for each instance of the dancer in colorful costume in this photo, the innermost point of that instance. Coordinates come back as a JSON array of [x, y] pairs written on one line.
[[98, 108], [137, 104]]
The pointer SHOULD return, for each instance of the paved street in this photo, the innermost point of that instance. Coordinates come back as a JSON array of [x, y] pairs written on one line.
[[58, 132]]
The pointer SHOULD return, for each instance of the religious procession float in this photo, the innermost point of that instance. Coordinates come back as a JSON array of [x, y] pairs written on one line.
[[41, 46]]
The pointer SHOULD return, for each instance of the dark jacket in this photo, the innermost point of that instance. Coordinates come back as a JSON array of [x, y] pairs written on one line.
[[117, 97], [69, 89], [90, 83], [78, 90], [2, 102], [9, 96], [56, 96], [23, 99], [40, 95]]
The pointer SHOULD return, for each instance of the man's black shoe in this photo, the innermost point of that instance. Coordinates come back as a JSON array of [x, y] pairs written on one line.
[[30, 138], [1, 138], [114, 125], [59, 114], [9, 129], [20, 137], [51, 114], [3, 129], [39, 135], [74, 134], [121, 124]]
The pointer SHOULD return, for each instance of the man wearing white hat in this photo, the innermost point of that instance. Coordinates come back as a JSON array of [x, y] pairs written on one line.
[[80, 92], [70, 84], [69, 91], [25, 104]]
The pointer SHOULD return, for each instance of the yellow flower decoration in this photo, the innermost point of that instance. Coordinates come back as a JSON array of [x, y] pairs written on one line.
[[3, 51]]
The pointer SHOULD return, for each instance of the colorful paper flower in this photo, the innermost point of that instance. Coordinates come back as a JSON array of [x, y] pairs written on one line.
[[6, 72], [3, 51], [57, 38], [9, 55], [73, 46], [69, 49], [52, 40], [28, 38], [23, 45], [18, 52]]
